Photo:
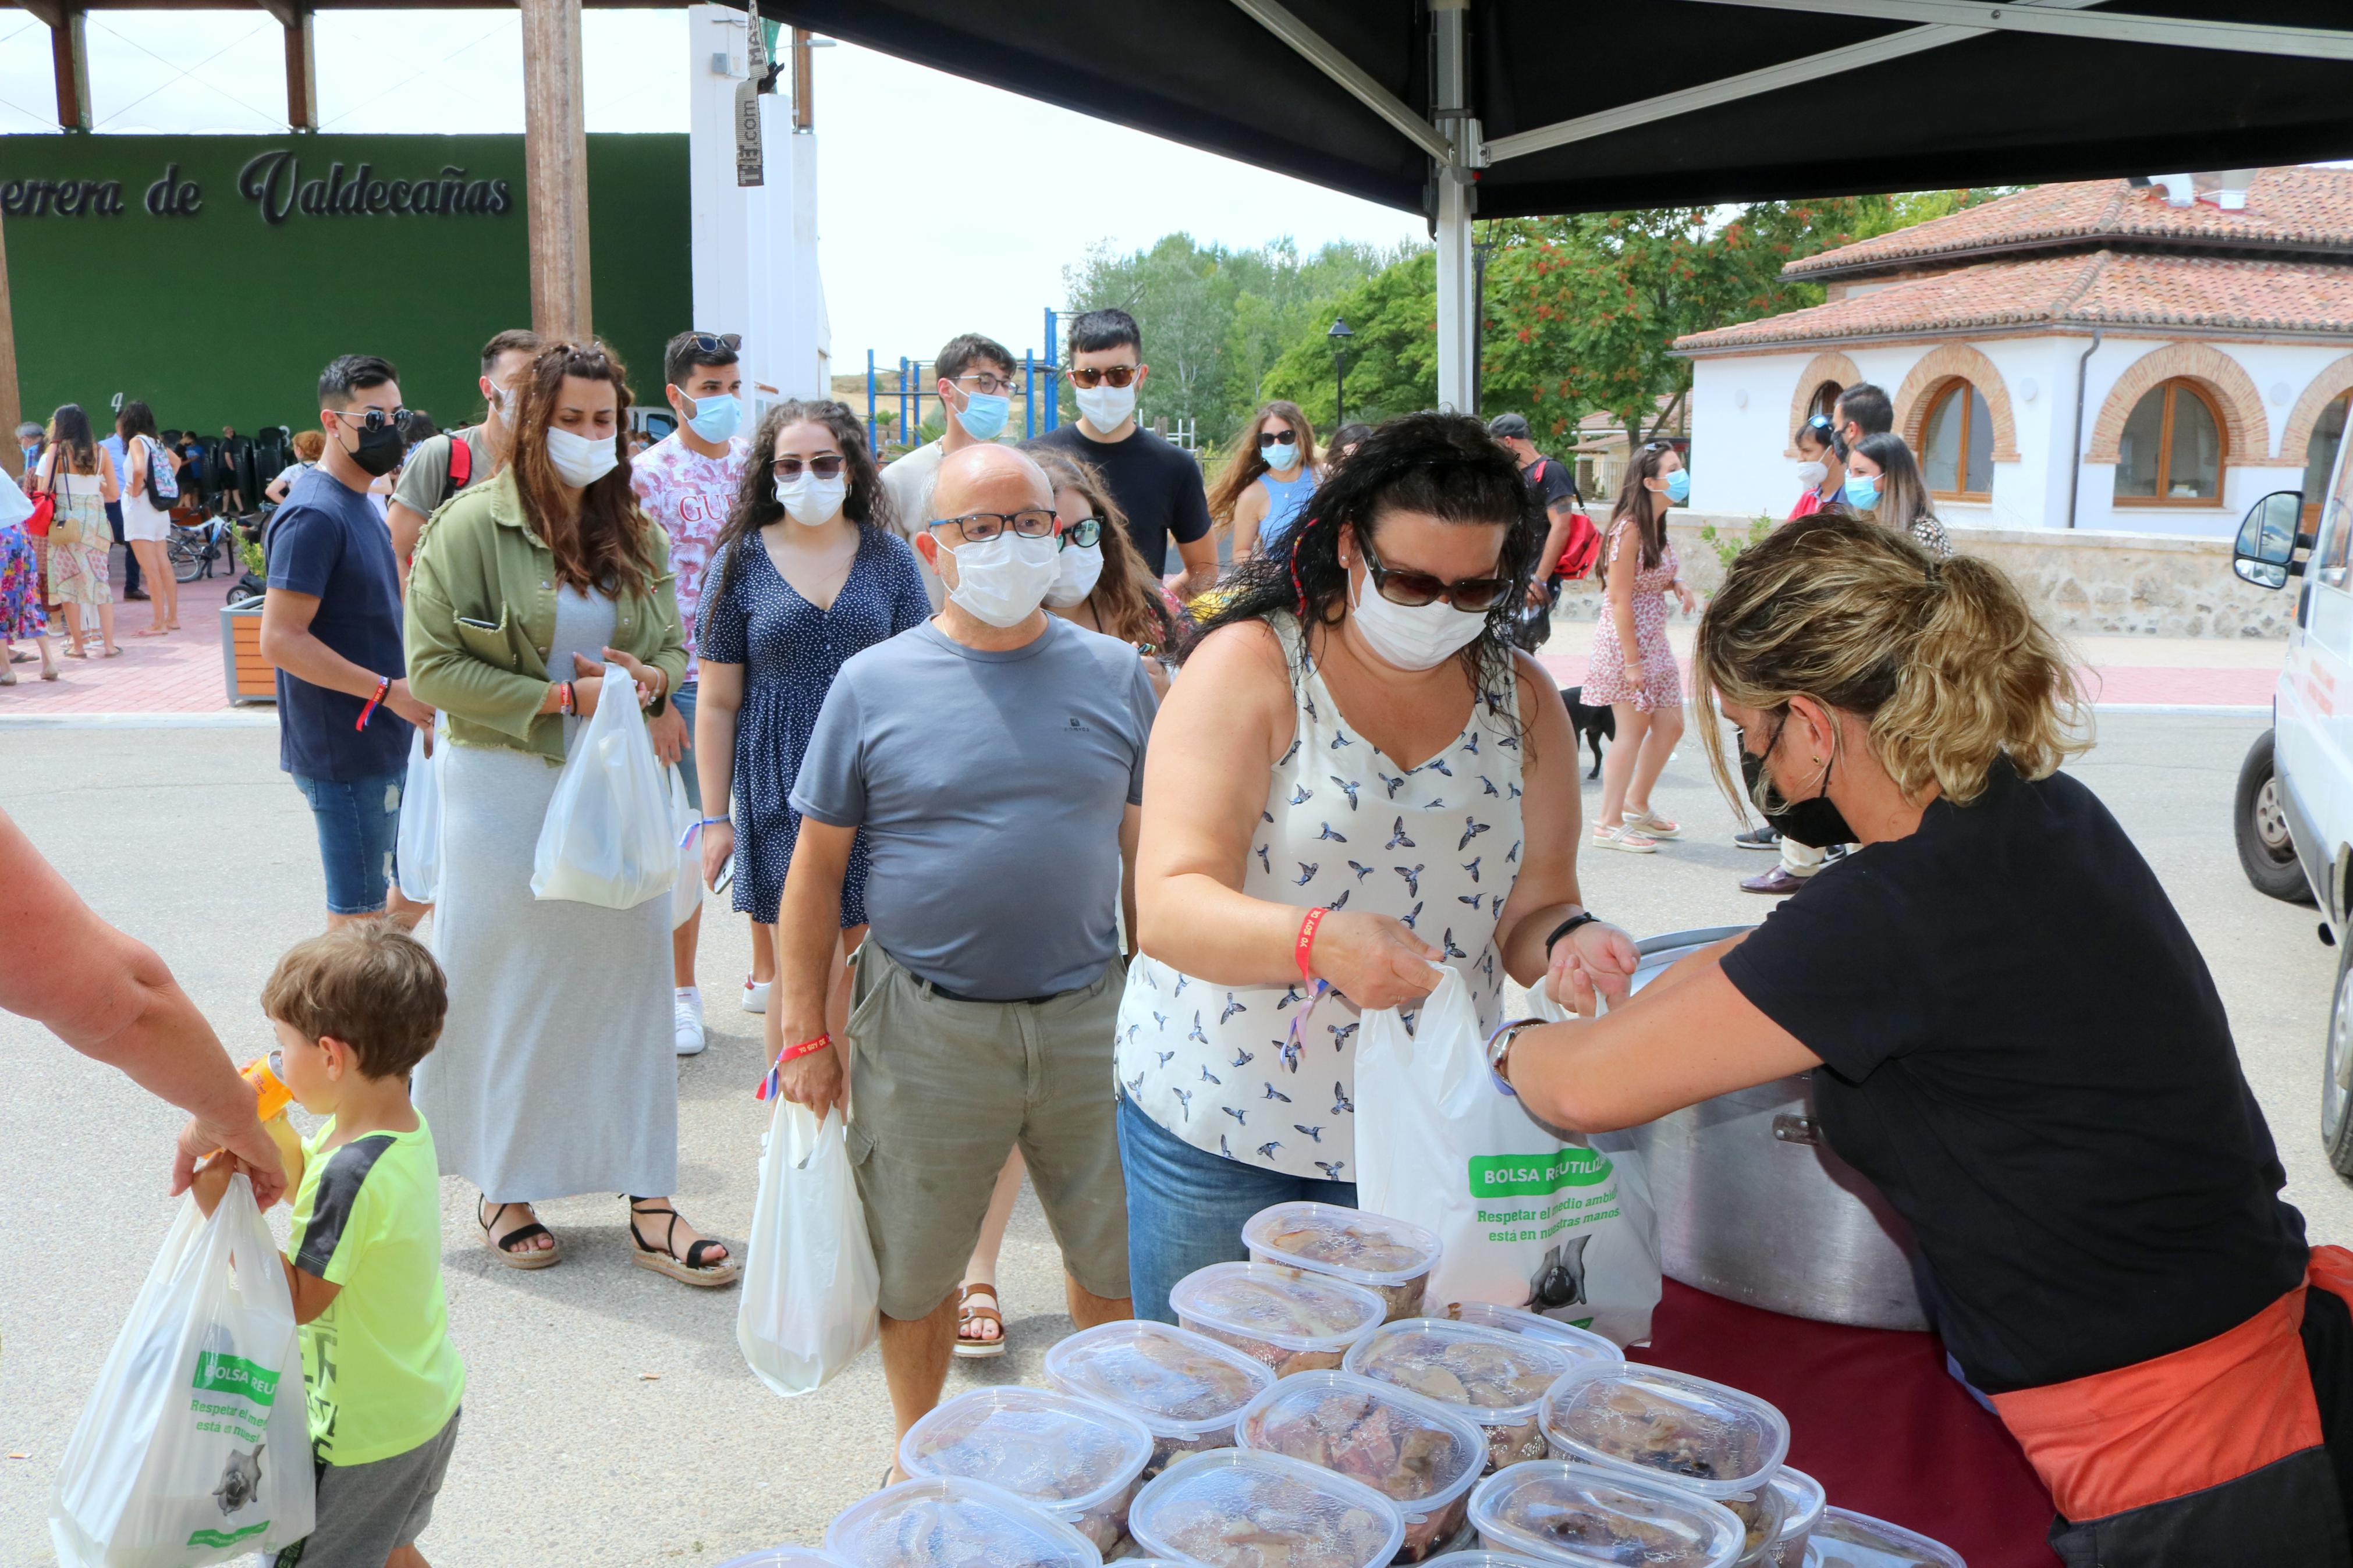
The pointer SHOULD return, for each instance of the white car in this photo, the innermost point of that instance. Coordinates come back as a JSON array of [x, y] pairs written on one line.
[[2294, 815]]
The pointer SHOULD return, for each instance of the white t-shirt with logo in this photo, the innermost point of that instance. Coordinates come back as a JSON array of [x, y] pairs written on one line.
[[690, 496]]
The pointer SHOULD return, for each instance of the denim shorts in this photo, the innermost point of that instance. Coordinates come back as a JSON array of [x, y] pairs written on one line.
[[1187, 1207], [359, 825], [683, 701]]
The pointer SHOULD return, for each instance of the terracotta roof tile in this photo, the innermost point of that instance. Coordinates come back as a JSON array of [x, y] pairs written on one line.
[[2295, 206], [2102, 290]]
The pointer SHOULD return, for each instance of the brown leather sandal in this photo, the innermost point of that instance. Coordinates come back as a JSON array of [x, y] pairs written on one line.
[[968, 1314]]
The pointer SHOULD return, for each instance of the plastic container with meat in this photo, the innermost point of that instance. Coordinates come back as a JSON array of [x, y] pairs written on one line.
[[1701, 1435], [1802, 1499], [1847, 1540], [1582, 1344], [1069, 1458], [1240, 1509], [1390, 1257], [1496, 1379], [1185, 1388], [1422, 1456], [1285, 1318], [947, 1522], [1561, 1513]]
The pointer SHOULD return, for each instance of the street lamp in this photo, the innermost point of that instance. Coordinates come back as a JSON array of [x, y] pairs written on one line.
[[1339, 334]]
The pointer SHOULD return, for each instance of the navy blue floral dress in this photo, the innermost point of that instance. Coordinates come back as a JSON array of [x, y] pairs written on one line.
[[790, 651]]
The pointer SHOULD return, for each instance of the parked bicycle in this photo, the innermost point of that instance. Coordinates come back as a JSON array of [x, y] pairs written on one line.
[[195, 548]]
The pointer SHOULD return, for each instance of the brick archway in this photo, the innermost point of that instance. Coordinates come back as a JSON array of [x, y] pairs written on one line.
[[1955, 362], [2334, 381], [2246, 427], [1822, 367]]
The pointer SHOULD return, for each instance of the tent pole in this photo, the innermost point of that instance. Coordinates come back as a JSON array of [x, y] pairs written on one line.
[[1450, 110]]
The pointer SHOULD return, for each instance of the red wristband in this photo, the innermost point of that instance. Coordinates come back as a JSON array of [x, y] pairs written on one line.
[[382, 685], [792, 1053], [1306, 943]]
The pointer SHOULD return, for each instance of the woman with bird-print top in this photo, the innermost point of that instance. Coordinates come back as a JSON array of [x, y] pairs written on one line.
[[1355, 778]]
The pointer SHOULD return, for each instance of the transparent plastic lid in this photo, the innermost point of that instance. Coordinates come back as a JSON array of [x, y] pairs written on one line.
[[1499, 1379], [1567, 1514], [1063, 1453], [786, 1557], [1712, 1439], [1802, 1499], [1234, 1507], [1494, 1559], [1176, 1382], [1583, 1344], [1367, 1249], [1847, 1540], [1288, 1307], [947, 1522], [1416, 1452]]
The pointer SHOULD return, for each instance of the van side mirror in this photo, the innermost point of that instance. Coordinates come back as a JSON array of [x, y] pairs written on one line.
[[2265, 552]]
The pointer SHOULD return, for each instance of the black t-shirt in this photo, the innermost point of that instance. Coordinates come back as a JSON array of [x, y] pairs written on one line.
[[1549, 481], [1154, 483], [2025, 1051]]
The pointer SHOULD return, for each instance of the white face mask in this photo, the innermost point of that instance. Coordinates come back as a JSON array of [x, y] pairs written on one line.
[[1106, 407], [1413, 637], [1004, 581], [1076, 572], [1811, 475], [811, 500], [580, 461]]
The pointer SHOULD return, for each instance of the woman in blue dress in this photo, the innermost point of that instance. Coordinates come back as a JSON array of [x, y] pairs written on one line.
[[807, 571], [1266, 483]]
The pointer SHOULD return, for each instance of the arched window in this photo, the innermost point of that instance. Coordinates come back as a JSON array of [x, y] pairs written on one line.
[[2320, 454], [1825, 399], [2172, 451], [1956, 443]]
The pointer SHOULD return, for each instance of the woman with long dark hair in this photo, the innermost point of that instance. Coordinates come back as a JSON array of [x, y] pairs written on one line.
[[78, 475], [1883, 484], [1266, 482], [808, 571], [1354, 776], [1631, 668], [556, 1072], [146, 526]]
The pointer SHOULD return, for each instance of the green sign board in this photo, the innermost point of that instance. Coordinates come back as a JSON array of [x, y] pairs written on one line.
[[215, 276]]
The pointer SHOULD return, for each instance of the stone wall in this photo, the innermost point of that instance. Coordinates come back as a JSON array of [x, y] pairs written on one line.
[[2144, 585]]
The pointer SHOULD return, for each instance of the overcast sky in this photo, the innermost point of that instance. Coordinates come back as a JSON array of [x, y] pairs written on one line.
[[944, 205]]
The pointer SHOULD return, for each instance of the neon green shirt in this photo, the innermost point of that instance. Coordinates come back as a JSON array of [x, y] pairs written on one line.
[[377, 1366]]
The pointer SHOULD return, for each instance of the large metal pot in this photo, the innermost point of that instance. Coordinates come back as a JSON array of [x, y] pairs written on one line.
[[1755, 1207]]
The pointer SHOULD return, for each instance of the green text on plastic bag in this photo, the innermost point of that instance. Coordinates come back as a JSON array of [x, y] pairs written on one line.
[[1535, 1176], [221, 1373]]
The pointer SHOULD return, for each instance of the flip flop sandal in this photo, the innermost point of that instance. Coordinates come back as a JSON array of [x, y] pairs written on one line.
[[967, 1314], [664, 1259], [73, 650], [503, 1247]]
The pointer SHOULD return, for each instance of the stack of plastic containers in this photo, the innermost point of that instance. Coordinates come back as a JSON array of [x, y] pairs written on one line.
[[1715, 1442], [1285, 1319], [947, 1522], [1422, 1456], [1236, 1508], [1185, 1389], [1072, 1459], [1561, 1513], [1388, 1257], [1496, 1379]]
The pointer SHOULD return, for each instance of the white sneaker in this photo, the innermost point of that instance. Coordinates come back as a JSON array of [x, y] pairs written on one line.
[[756, 995], [686, 1013]]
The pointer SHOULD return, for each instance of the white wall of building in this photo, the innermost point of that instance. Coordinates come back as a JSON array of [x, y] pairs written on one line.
[[756, 258]]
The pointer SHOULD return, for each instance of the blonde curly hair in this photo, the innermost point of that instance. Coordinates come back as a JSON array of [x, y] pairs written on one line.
[[1944, 657]]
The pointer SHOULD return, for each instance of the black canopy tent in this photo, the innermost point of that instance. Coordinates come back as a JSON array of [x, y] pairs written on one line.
[[1508, 108]]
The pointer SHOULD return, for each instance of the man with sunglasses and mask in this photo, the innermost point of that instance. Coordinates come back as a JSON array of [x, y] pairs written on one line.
[[974, 380], [331, 622], [994, 757], [434, 471], [1155, 484]]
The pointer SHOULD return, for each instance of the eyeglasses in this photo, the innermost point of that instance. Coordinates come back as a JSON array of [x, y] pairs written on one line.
[[980, 527], [724, 343], [1273, 439], [1117, 374], [1085, 534], [988, 384], [1415, 589], [372, 418], [1818, 422], [825, 468]]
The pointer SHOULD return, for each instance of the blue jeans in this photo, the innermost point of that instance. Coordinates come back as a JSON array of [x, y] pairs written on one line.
[[683, 701], [1187, 1207], [359, 826]]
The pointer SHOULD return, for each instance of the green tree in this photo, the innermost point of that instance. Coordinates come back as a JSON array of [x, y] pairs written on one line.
[[1392, 359]]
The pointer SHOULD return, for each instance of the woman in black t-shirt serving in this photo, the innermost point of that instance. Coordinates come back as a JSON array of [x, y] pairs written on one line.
[[2017, 1040]]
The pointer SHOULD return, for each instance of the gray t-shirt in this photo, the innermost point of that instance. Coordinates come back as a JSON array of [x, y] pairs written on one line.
[[426, 472], [995, 856]]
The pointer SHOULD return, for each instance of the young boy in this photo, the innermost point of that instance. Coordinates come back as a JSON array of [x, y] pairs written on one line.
[[354, 1010]]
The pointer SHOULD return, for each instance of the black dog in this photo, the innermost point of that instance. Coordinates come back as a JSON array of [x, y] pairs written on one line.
[[1590, 724]]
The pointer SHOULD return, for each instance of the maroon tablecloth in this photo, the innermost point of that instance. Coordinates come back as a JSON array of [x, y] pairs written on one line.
[[1875, 1418]]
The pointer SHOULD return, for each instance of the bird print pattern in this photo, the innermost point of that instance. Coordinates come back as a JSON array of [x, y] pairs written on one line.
[[1273, 1048]]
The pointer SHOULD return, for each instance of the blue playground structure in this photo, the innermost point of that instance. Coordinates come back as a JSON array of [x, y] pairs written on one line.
[[1041, 392]]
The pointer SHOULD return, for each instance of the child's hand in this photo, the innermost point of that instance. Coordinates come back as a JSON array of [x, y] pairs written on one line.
[[211, 1183]]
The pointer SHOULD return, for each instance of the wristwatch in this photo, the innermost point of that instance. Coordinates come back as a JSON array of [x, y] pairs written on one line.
[[1499, 1051]]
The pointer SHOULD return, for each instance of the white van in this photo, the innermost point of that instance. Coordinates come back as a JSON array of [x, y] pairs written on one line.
[[2294, 815]]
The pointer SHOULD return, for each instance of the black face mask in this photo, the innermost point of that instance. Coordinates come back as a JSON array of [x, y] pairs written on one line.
[[380, 449], [1817, 822]]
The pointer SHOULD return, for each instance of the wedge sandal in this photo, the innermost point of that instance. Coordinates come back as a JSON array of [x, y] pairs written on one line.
[[664, 1259], [503, 1247]]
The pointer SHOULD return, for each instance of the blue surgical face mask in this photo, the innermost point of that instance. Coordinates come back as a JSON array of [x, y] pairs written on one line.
[[1862, 492], [1283, 455], [716, 417], [1679, 486], [984, 414]]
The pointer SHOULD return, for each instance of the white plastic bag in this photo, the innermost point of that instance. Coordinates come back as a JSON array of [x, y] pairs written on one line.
[[195, 1447], [1529, 1216], [417, 854], [686, 895], [810, 1290], [608, 839]]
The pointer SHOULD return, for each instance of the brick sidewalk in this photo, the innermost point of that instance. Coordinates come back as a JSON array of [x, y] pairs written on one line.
[[180, 673]]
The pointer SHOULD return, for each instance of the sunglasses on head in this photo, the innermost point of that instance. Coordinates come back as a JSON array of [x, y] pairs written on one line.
[[1118, 375], [826, 467], [1413, 589], [723, 342]]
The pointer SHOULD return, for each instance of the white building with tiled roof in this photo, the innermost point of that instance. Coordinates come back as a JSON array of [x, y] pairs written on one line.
[[2102, 354]]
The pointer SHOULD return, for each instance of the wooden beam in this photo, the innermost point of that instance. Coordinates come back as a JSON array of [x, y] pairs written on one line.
[[69, 58], [12, 402], [302, 63], [804, 110], [555, 169]]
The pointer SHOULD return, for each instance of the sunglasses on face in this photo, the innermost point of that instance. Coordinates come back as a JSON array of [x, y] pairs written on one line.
[[1117, 375], [723, 342], [826, 467], [1414, 589], [1274, 437], [373, 418]]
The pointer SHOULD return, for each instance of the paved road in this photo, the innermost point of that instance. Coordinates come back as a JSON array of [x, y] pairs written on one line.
[[609, 1419]]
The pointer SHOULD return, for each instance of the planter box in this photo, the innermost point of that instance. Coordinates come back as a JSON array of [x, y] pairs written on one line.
[[249, 677]]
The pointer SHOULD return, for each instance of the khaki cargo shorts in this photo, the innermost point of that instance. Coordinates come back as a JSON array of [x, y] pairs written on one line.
[[941, 1091]]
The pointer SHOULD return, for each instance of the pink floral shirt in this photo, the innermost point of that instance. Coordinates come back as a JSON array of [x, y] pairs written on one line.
[[690, 495]]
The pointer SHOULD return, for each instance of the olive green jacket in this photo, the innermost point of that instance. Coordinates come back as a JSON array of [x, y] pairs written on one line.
[[481, 613]]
